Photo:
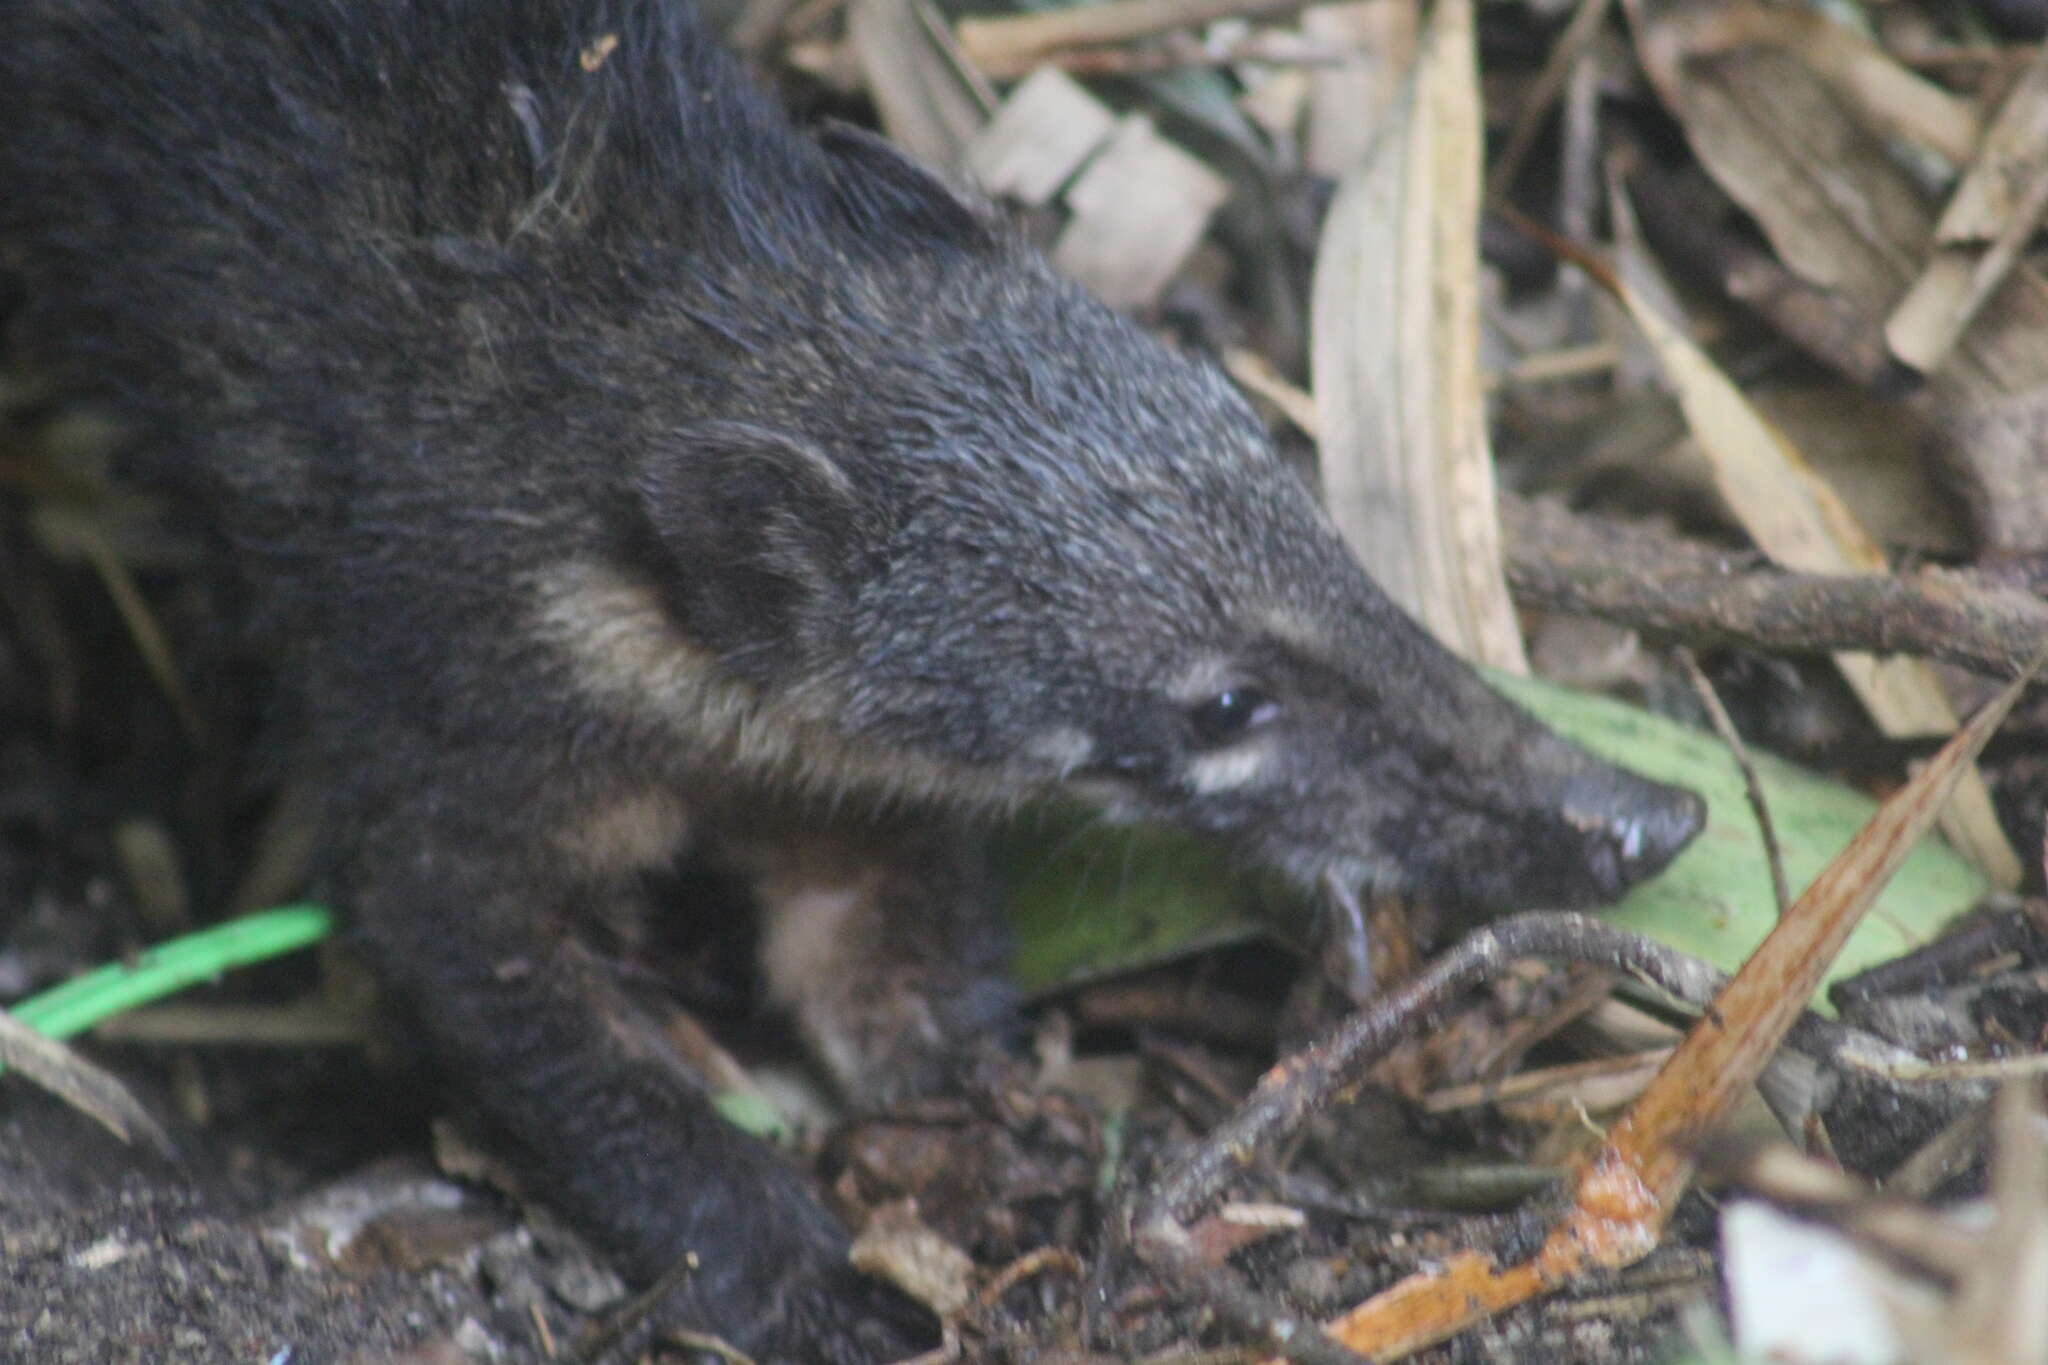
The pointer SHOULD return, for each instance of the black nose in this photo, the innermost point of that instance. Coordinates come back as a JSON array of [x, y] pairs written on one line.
[[1634, 827], [1651, 837]]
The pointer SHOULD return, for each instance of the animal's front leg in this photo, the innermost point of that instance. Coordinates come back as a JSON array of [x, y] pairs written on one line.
[[604, 1120], [883, 940]]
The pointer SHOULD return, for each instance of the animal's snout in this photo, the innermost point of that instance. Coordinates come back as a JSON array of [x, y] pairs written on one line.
[[1633, 826]]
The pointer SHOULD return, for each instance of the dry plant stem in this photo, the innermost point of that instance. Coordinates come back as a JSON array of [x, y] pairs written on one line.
[[142, 626], [1586, 21], [1012, 45], [1304, 1083], [1289, 1335], [1560, 561], [1724, 726], [705, 1344], [1031, 1265], [601, 1336], [1724, 1052], [1625, 1191]]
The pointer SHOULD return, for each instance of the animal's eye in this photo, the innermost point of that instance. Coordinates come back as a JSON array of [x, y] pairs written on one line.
[[1231, 714]]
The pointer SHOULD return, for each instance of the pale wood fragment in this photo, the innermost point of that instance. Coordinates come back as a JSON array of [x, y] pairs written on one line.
[[1039, 138], [1139, 209]]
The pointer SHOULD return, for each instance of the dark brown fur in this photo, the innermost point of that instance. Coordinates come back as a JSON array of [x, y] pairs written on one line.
[[616, 471]]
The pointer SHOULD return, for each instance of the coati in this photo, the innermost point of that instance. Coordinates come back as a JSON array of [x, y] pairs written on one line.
[[617, 470]]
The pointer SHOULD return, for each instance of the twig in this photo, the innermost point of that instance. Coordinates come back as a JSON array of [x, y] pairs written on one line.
[[1043, 1261], [707, 1344], [606, 1333], [1564, 53], [1558, 560], [1012, 44], [1293, 1337], [1625, 1192], [1724, 726], [1302, 1084]]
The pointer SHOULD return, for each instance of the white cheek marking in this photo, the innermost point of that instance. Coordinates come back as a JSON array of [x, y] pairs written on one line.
[[1229, 769], [1062, 749], [624, 650]]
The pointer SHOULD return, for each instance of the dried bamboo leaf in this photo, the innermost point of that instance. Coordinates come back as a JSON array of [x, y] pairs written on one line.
[[1798, 520], [96, 1093], [926, 94], [1991, 216], [1844, 217], [1995, 189], [1399, 394], [1885, 97]]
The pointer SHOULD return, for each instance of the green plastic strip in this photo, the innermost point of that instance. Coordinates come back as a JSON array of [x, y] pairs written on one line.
[[78, 1004]]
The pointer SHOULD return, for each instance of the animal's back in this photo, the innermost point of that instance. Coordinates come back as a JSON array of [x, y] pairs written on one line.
[[316, 231]]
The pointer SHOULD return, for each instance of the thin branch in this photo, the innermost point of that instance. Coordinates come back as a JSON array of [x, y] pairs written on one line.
[[1724, 726], [1558, 560]]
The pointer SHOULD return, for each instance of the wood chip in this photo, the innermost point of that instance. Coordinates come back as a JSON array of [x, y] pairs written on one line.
[[1139, 210], [1040, 138]]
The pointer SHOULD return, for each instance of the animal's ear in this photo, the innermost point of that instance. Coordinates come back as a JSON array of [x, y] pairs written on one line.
[[882, 190], [759, 533]]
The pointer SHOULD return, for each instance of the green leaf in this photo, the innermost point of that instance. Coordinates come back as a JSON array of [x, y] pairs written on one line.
[[1089, 900], [1715, 900]]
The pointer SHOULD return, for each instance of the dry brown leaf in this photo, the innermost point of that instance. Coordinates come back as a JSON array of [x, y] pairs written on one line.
[[1887, 98], [1989, 219], [1399, 397], [897, 1245], [1847, 219]]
